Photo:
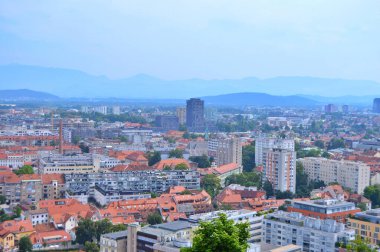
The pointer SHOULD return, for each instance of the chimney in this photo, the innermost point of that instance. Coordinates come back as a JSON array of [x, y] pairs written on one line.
[[60, 138]]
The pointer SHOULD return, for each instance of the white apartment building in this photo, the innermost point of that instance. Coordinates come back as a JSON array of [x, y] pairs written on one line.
[[313, 235], [65, 164], [101, 110], [354, 175], [279, 168], [225, 150], [255, 222], [263, 142], [116, 110]]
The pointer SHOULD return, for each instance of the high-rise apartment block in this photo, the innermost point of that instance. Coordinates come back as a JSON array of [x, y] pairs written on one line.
[[181, 114], [225, 150], [263, 142], [195, 119], [376, 105], [353, 175]]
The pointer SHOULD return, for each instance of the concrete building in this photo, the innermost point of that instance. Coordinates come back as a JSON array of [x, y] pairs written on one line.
[[116, 110], [167, 122], [225, 150], [67, 164], [354, 175], [376, 105], [115, 242], [195, 119], [282, 228], [105, 194], [31, 188], [263, 142], [198, 148], [367, 225], [279, 168], [325, 209], [181, 114], [331, 108], [101, 110]]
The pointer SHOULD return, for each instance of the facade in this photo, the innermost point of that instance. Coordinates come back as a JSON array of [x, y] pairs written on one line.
[[367, 225], [198, 148], [115, 242], [376, 105], [325, 209], [104, 194], [31, 188], [167, 122], [279, 168], [225, 150], [263, 142], [181, 114], [255, 222], [195, 119], [67, 164], [282, 228], [116, 110], [354, 175], [39, 216], [10, 187]]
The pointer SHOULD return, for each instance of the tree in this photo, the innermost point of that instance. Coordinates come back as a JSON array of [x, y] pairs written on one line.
[[336, 143], [181, 166], [325, 154], [3, 199], [211, 183], [245, 179], [202, 161], [248, 157], [154, 218], [26, 169], [320, 144], [359, 245], [268, 188], [373, 194], [220, 235], [102, 227], [25, 245], [84, 148], [91, 247], [86, 231], [176, 153], [284, 195], [153, 157], [362, 206]]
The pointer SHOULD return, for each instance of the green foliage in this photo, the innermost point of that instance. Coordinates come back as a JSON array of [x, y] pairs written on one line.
[[316, 127], [309, 153], [75, 140], [185, 192], [373, 194], [25, 245], [245, 179], [248, 157], [268, 188], [325, 154], [220, 235], [336, 143], [284, 195], [182, 127], [181, 166], [239, 124], [154, 218], [211, 183], [303, 185], [26, 169], [91, 247], [359, 245], [362, 206], [84, 148], [153, 157], [123, 139], [202, 161], [176, 153], [3, 199], [320, 144]]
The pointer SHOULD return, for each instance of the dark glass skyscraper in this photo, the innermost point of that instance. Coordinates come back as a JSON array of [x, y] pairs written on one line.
[[376, 105], [195, 119]]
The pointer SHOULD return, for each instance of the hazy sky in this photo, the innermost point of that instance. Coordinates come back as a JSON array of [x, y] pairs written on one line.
[[175, 39]]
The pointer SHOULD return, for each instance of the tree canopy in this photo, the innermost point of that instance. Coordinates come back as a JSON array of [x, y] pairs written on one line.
[[220, 235], [211, 183], [373, 194], [248, 157], [245, 179], [181, 166], [202, 161], [154, 218], [25, 245], [26, 169], [176, 153], [153, 157]]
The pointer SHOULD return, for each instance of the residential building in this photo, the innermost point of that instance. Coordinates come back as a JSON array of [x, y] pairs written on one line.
[[67, 164], [225, 150], [263, 142], [198, 148], [10, 187], [55, 239], [195, 119], [115, 242], [279, 168], [325, 209], [116, 110], [367, 225], [376, 105], [283, 228], [181, 114], [167, 122], [222, 172], [31, 188], [353, 175], [331, 108]]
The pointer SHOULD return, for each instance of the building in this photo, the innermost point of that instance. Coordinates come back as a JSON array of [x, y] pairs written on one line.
[[325, 209], [67, 164], [331, 108], [279, 168], [101, 110], [255, 222], [116, 242], [31, 188], [104, 194], [282, 228], [225, 150], [367, 225], [10, 186], [198, 148], [116, 110], [39, 216], [181, 114], [263, 142], [53, 186], [222, 172], [353, 175], [167, 122], [376, 105], [195, 119]]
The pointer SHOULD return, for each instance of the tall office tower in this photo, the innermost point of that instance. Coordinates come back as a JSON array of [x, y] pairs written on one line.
[[181, 114], [331, 108], [225, 150], [195, 119], [376, 105], [279, 168], [116, 110], [263, 142]]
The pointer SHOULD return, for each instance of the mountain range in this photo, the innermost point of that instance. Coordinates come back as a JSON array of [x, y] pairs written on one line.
[[73, 83]]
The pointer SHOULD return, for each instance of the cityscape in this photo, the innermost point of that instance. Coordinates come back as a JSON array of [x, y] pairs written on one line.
[[190, 153]]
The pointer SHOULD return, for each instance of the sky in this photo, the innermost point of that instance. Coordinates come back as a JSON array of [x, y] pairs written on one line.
[[210, 39]]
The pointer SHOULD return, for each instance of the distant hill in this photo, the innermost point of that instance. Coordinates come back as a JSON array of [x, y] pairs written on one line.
[[26, 95], [73, 83], [258, 99]]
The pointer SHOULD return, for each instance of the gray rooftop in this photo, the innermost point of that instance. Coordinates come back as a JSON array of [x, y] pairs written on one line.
[[116, 235]]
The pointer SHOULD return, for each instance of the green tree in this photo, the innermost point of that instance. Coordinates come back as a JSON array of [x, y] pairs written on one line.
[[320, 144], [176, 153], [202, 161], [284, 195], [268, 188], [359, 245], [181, 166], [336, 143], [86, 231], [211, 183], [245, 179], [153, 157], [91, 247], [248, 157], [362, 206], [373, 194], [102, 227], [154, 218], [26, 169], [220, 235], [3, 199], [84, 148], [25, 245]]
